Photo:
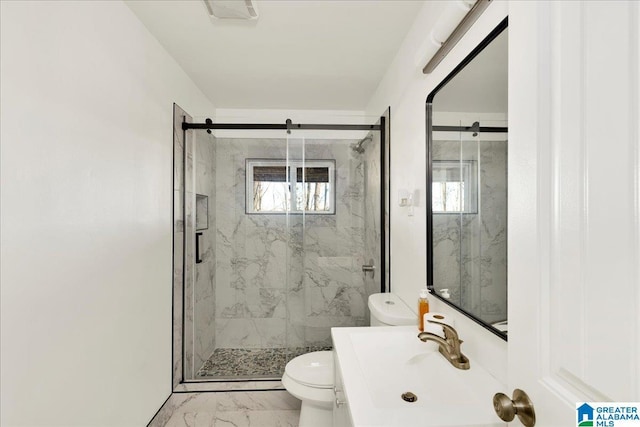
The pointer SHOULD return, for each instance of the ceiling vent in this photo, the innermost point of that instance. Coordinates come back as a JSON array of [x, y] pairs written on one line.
[[232, 9]]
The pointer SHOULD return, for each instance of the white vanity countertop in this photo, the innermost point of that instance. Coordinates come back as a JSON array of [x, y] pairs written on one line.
[[378, 364]]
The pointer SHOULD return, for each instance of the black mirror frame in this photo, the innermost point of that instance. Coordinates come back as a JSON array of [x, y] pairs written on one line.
[[429, 123]]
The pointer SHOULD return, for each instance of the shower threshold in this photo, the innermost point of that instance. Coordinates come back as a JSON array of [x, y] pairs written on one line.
[[249, 363]]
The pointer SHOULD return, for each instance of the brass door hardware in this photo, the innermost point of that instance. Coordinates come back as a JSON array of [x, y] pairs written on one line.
[[521, 406]]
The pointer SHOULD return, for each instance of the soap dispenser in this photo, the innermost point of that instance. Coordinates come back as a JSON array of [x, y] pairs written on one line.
[[423, 308]]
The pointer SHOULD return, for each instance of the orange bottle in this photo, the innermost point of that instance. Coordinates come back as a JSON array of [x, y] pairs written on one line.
[[423, 307]]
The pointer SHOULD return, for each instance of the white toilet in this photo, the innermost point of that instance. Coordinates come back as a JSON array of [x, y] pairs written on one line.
[[310, 377], [390, 310]]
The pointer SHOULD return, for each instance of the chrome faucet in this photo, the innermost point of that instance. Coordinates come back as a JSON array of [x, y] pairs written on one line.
[[449, 346]]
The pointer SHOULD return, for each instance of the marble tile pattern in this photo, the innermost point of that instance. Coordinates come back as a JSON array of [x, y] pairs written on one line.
[[373, 221], [205, 272], [284, 280], [470, 250], [178, 240], [229, 409], [251, 363], [189, 366], [280, 280]]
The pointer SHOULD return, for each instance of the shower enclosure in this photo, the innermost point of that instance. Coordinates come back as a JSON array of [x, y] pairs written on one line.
[[469, 217], [283, 239]]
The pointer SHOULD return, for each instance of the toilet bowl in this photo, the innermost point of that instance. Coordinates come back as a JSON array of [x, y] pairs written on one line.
[[309, 377]]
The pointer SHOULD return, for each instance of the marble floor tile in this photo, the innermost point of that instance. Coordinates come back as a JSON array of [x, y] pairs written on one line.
[[192, 419], [257, 419], [232, 409], [232, 419], [199, 402], [257, 401], [274, 418]]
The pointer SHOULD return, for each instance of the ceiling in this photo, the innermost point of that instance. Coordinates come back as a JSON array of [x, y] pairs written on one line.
[[299, 54]]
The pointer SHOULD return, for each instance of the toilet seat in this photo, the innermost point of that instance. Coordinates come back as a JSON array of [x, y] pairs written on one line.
[[313, 369], [313, 396]]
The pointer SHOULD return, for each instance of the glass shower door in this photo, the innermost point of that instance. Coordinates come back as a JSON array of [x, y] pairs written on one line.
[[237, 261], [373, 198], [278, 228], [469, 187], [448, 204], [470, 217], [492, 152], [483, 236], [334, 214]]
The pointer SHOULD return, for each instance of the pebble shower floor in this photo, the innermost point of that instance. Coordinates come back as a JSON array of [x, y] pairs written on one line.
[[254, 362]]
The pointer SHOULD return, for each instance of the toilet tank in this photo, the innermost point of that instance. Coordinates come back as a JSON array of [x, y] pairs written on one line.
[[389, 310]]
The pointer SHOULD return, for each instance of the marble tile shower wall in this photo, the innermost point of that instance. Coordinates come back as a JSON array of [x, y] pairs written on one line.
[[471, 250], [205, 272], [285, 280], [199, 278], [189, 252], [178, 239], [373, 220]]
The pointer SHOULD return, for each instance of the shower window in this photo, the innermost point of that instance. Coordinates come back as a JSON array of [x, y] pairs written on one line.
[[278, 186], [454, 187]]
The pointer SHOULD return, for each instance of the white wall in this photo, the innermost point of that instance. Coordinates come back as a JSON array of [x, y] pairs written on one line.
[[405, 89], [86, 152]]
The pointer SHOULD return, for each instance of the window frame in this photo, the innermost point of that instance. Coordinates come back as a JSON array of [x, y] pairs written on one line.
[[469, 179], [291, 179]]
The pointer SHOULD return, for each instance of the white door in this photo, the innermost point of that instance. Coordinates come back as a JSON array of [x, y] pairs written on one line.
[[574, 204]]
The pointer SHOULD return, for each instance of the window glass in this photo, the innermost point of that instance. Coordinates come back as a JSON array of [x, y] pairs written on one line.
[[270, 189], [453, 187]]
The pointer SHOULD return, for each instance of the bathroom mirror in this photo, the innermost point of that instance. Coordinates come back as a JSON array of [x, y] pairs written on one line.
[[467, 145]]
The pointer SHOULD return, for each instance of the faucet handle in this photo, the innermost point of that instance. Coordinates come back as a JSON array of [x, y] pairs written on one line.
[[448, 329]]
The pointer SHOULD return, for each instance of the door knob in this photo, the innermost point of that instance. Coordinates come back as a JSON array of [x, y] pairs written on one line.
[[521, 406]]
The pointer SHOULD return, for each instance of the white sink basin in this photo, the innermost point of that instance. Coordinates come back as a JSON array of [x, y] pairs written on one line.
[[380, 363]]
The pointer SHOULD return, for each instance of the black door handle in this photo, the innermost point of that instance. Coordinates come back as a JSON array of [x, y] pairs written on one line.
[[198, 258]]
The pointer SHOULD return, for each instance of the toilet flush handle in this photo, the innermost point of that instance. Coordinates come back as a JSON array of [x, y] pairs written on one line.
[[339, 402]]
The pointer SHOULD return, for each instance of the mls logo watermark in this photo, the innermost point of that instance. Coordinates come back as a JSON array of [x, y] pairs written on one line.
[[608, 414]]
